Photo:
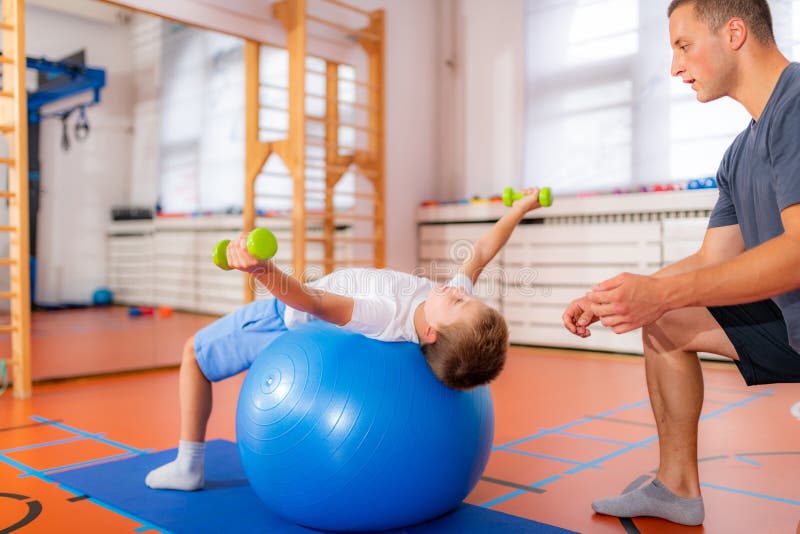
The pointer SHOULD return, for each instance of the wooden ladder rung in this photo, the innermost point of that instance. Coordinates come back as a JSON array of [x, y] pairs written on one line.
[[7, 128], [342, 28], [7, 60], [7, 194], [7, 161], [6, 26], [7, 328], [8, 228], [6, 295], [347, 6], [8, 261], [6, 94]]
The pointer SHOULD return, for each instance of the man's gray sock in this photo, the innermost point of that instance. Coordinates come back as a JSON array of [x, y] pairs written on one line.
[[185, 473], [654, 500]]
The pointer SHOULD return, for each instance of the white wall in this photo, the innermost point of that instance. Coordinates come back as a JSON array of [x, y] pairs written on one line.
[[482, 96], [412, 122], [79, 186]]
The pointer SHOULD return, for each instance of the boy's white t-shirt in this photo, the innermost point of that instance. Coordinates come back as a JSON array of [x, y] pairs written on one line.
[[384, 301]]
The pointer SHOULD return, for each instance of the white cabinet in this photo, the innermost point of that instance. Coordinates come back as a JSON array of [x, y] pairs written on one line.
[[130, 262], [168, 262]]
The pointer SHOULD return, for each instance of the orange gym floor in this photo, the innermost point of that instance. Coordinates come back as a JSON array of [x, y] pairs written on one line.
[[570, 427]]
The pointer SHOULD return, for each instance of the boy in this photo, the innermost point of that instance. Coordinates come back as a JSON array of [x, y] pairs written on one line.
[[464, 341]]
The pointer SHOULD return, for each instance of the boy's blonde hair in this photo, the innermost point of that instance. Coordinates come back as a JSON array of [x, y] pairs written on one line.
[[469, 353]]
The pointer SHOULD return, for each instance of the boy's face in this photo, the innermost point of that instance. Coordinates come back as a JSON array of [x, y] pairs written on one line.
[[448, 304], [700, 56]]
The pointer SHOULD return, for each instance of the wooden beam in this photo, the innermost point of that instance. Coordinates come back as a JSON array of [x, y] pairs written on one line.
[[14, 113], [255, 152], [377, 121], [331, 159], [294, 20]]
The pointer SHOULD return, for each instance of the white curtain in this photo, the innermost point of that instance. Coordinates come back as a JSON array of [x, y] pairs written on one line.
[[603, 112]]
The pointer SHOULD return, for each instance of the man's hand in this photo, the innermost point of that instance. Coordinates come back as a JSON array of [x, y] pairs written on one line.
[[578, 316], [629, 301]]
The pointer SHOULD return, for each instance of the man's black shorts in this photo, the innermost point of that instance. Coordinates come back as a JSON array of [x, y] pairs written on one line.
[[758, 332]]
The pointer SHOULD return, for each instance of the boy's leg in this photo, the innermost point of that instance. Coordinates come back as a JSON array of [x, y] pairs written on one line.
[[224, 348], [186, 471], [675, 384], [195, 396]]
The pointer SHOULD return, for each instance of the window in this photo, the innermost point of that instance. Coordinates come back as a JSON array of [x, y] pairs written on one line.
[[202, 126], [602, 110]]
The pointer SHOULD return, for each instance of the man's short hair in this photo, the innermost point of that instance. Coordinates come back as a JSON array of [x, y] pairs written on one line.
[[470, 352], [715, 13]]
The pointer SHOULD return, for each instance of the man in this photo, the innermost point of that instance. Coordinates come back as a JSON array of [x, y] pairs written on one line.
[[738, 295]]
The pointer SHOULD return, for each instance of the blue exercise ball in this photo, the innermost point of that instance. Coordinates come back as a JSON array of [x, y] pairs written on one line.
[[337, 431]]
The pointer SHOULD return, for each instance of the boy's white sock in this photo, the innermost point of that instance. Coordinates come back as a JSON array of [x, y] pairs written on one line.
[[185, 473]]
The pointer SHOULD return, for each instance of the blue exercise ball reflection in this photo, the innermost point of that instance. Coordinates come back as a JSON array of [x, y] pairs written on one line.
[[337, 431]]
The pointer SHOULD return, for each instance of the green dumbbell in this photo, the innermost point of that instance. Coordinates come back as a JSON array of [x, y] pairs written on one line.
[[261, 244], [545, 196]]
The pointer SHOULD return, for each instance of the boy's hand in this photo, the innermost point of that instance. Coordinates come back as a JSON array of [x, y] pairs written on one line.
[[530, 201], [578, 316], [240, 259]]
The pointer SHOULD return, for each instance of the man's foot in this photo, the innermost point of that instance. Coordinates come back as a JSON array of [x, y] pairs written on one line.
[[653, 500], [185, 473]]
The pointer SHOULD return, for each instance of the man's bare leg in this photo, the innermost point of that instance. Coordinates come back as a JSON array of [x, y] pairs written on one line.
[[675, 384]]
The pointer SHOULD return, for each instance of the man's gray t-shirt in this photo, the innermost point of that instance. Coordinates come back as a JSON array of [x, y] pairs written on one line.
[[760, 176]]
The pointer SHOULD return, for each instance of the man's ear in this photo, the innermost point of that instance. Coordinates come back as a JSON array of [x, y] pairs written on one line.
[[429, 334], [737, 32]]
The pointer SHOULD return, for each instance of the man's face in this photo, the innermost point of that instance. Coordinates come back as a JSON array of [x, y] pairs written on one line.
[[699, 56]]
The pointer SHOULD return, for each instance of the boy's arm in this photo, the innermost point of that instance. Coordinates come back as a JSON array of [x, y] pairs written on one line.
[[330, 307], [490, 243]]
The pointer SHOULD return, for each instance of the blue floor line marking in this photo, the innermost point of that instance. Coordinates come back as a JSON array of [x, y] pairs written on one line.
[[595, 438], [747, 460], [89, 435], [28, 471], [503, 498], [43, 444], [597, 461], [736, 404], [517, 493], [85, 463], [750, 493], [546, 432], [546, 481], [542, 456], [629, 447]]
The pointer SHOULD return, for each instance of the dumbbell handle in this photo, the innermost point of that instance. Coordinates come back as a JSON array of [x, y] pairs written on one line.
[[261, 244], [510, 196]]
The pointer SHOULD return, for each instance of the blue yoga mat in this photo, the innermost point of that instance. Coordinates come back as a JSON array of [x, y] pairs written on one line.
[[228, 504]]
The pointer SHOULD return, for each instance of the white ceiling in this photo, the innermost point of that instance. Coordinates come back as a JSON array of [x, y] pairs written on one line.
[[89, 9]]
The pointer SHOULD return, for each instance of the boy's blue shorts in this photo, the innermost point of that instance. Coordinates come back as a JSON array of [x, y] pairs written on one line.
[[230, 344]]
